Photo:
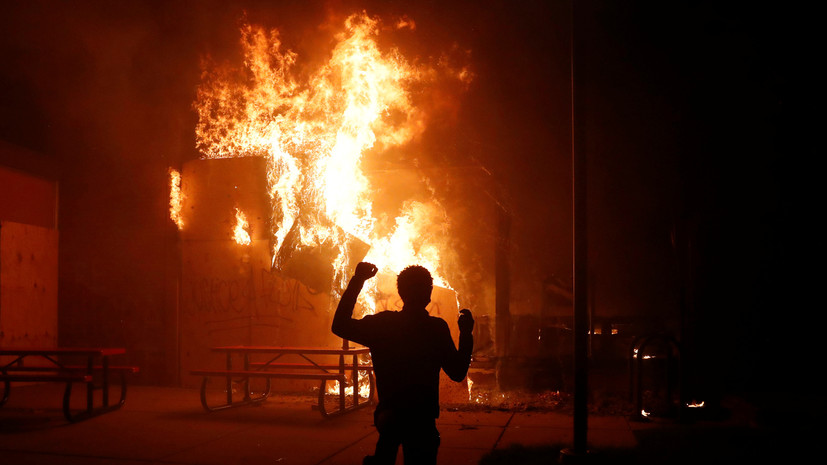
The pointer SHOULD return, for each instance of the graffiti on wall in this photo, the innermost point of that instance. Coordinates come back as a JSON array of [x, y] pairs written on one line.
[[260, 294]]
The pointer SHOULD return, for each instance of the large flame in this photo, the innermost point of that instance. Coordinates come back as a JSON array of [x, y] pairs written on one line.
[[314, 130]]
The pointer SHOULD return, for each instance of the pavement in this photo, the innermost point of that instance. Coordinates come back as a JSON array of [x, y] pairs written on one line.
[[162, 425]]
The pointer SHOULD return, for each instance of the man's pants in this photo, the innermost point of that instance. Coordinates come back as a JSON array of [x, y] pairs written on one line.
[[416, 434]]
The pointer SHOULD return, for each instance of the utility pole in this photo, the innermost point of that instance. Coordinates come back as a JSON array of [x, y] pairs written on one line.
[[579, 251]]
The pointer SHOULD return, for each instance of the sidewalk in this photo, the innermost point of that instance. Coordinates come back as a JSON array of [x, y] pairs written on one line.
[[168, 426]]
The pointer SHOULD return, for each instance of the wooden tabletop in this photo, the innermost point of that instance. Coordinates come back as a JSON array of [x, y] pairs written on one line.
[[87, 351], [294, 350]]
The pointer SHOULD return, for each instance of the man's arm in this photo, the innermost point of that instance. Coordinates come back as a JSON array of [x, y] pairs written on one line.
[[343, 323], [457, 363]]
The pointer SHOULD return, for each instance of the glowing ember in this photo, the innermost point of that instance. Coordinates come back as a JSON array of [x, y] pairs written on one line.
[[176, 199], [645, 357], [241, 231], [695, 404], [644, 413], [314, 128]]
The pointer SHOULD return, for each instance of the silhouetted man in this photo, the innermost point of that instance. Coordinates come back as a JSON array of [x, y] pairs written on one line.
[[408, 348]]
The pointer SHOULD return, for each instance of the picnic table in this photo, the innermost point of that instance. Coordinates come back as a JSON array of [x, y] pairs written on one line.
[[67, 365], [268, 362]]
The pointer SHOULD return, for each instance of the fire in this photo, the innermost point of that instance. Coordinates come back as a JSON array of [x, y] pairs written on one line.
[[314, 129], [241, 231], [403, 247], [364, 388], [176, 198]]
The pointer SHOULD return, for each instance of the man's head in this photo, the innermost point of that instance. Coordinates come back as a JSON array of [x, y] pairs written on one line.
[[414, 285]]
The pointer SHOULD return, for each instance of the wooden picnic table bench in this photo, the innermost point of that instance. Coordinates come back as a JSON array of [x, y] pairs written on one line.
[[51, 366], [308, 368]]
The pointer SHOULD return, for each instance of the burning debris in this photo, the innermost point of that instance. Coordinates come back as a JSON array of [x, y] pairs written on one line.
[[313, 265]]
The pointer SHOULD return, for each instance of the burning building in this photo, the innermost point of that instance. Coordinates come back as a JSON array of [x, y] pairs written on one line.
[[305, 172]]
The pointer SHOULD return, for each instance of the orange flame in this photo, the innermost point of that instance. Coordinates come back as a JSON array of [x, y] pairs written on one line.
[[364, 388], [314, 130], [241, 231], [176, 198]]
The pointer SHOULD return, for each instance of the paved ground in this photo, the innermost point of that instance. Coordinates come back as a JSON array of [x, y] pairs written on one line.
[[168, 426]]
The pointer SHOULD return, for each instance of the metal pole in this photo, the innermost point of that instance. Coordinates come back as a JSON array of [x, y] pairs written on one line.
[[579, 256]]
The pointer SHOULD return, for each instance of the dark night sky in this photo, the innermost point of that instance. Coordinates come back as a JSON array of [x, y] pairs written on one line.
[[696, 116]]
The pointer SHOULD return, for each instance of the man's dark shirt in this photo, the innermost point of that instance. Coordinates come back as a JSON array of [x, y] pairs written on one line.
[[408, 349]]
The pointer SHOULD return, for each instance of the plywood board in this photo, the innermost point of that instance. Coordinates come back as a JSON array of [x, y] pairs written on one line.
[[28, 285]]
